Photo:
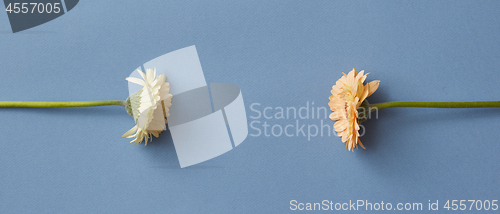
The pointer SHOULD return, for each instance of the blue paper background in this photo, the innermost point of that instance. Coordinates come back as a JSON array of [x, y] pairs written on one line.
[[280, 53]]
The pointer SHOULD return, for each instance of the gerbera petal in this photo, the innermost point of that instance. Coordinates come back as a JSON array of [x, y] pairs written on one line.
[[142, 74], [360, 89], [360, 75], [150, 75], [130, 132], [156, 134], [334, 116], [350, 78], [366, 90], [158, 122], [340, 125], [135, 80], [362, 146], [373, 86]]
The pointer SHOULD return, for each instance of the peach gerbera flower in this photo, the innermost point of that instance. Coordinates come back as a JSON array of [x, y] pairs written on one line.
[[347, 95]]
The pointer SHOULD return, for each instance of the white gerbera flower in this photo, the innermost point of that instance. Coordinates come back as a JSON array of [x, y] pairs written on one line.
[[149, 106]]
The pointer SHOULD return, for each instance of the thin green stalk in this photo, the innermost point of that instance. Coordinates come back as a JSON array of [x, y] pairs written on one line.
[[474, 104], [35, 104]]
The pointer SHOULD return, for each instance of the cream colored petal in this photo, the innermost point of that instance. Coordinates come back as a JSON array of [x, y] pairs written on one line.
[[147, 99], [167, 103], [335, 116], [165, 95], [135, 80], [158, 81], [145, 118], [134, 140], [158, 121], [373, 86], [341, 82], [156, 134], [332, 104], [361, 73], [335, 90], [130, 132], [340, 125], [355, 103], [154, 72], [161, 79], [340, 134], [360, 89], [360, 76], [344, 137], [363, 78], [366, 90], [142, 74], [150, 75], [350, 78]]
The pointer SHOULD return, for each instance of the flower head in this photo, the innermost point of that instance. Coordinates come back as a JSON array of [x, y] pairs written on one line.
[[347, 95], [149, 106]]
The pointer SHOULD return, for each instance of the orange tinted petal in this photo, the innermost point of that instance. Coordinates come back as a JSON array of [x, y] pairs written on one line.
[[373, 86]]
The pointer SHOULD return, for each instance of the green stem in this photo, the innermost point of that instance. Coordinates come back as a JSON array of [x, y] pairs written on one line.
[[35, 104], [474, 104]]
